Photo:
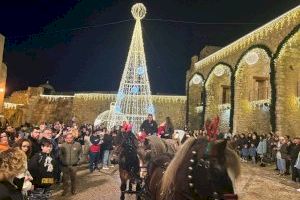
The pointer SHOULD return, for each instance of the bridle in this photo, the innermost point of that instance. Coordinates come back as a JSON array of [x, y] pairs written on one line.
[[203, 163]]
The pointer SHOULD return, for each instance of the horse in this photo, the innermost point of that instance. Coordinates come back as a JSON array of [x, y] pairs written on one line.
[[200, 169], [129, 164], [154, 146]]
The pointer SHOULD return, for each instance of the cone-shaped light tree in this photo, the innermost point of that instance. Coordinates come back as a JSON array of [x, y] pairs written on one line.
[[134, 95]]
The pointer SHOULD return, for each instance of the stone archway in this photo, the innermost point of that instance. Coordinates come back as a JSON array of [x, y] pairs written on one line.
[[218, 95], [252, 92], [287, 66], [195, 107]]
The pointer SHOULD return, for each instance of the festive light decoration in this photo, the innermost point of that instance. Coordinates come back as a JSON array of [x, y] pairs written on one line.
[[260, 103], [105, 117], [251, 58], [56, 97], [134, 99], [225, 106], [291, 17], [197, 79], [199, 109], [221, 69], [8, 105], [140, 71]]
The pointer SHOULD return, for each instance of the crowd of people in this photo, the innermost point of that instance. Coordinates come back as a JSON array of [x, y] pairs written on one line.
[[34, 158], [49, 154], [281, 151]]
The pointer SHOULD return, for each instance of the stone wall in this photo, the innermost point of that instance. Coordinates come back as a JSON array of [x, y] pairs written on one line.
[[214, 87], [288, 87], [194, 114], [249, 118], [37, 108]]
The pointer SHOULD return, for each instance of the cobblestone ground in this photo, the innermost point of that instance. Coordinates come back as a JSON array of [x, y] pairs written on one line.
[[255, 183]]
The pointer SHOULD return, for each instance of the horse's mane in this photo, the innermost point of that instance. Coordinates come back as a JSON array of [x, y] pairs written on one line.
[[157, 146], [170, 174], [231, 161]]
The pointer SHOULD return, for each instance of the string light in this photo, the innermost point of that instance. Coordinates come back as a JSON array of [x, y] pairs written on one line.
[[134, 100]]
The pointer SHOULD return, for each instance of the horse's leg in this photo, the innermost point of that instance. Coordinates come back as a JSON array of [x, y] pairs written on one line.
[[138, 190], [123, 188], [130, 185], [123, 184]]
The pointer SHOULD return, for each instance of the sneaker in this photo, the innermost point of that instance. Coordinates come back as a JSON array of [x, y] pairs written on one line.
[[105, 168], [298, 190]]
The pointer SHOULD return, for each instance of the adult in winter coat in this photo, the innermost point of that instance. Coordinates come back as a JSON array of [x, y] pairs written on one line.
[[106, 147], [149, 126], [70, 154]]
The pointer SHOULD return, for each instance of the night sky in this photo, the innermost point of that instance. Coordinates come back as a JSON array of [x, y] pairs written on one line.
[[82, 45]]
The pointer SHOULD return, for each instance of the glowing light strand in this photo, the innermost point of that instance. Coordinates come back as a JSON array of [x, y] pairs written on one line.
[[134, 99]]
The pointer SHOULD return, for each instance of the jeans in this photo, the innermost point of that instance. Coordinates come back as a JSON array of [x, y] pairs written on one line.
[[281, 165], [94, 159], [106, 160]]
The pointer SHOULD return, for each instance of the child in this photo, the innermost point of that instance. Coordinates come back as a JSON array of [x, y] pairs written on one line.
[[42, 167], [245, 153], [252, 153]]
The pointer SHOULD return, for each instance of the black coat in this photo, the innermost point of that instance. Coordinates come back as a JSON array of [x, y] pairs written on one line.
[[9, 192], [294, 152], [36, 148], [149, 127], [107, 142], [42, 174]]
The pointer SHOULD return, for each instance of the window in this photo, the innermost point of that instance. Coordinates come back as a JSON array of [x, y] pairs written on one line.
[[261, 90], [226, 94]]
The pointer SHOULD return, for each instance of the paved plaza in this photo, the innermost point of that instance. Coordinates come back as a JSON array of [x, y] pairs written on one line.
[[255, 183]]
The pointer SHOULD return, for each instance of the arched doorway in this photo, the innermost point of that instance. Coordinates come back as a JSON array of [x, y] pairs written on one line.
[[287, 67], [218, 96], [252, 92], [195, 107]]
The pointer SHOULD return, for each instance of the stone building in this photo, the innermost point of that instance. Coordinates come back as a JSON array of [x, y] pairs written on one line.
[[253, 84], [34, 106]]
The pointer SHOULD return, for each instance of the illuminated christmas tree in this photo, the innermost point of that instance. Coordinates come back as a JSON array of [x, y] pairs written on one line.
[[134, 101]]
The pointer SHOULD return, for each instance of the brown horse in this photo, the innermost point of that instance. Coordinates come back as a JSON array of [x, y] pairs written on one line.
[[200, 170], [129, 164]]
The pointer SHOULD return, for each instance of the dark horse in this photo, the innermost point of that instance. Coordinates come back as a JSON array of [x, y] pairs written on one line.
[[200, 170], [129, 166]]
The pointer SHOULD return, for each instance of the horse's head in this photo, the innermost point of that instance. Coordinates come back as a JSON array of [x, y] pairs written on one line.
[[152, 147], [205, 170]]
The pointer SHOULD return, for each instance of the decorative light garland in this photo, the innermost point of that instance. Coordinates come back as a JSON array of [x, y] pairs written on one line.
[[8, 105], [225, 106], [260, 103], [55, 97], [290, 17], [95, 96]]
